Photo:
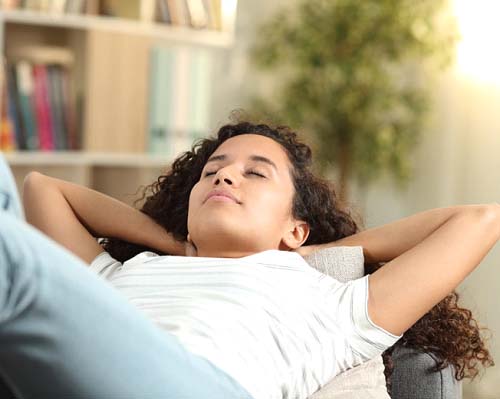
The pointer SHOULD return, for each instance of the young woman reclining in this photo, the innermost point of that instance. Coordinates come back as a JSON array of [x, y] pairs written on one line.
[[227, 305]]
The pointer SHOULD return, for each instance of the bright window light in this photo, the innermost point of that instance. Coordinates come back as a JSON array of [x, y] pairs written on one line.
[[478, 56]]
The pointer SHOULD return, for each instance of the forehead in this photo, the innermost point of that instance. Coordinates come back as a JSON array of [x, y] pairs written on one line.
[[249, 144]]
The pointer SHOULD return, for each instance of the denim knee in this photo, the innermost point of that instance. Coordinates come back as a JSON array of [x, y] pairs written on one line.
[[9, 196]]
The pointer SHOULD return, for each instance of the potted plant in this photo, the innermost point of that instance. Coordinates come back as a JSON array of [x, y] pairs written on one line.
[[355, 76]]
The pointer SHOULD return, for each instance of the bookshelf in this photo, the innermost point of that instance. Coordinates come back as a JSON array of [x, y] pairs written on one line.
[[111, 76]]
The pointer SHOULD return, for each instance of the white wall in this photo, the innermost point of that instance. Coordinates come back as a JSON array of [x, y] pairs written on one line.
[[457, 162]]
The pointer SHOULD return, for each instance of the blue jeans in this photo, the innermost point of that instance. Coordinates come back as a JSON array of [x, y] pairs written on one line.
[[67, 333]]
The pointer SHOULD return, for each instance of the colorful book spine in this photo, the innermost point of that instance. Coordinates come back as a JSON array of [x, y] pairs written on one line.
[[25, 87], [56, 106], [42, 108], [68, 103], [13, 109], [6, 128]]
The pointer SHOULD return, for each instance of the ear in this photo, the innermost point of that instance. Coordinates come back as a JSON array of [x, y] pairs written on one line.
[[295, 236]]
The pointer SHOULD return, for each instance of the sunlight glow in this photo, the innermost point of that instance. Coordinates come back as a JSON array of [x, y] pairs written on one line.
[[477, 52]]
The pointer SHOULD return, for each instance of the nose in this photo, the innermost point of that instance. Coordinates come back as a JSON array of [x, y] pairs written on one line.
[[223, 175]]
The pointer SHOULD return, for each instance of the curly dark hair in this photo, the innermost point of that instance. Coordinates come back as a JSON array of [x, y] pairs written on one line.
[[447, 330]]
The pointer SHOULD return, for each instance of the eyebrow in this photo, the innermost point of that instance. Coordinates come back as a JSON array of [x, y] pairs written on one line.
[[257, 158]]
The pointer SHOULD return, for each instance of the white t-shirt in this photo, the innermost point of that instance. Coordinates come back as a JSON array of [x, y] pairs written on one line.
[[278, 326]]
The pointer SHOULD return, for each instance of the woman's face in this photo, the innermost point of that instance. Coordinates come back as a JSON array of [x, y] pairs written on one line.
[[255, 171]]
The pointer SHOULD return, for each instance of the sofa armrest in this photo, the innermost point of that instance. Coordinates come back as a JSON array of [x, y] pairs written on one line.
[[412, 378]]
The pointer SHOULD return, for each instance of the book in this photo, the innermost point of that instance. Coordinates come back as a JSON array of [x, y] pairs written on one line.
[[147, 10], [42, 108], [73, 139], [44, 5], [162, 12], [13, 108], [174, 12], [34, 5], [201, 69], [9, 4], [183, 12], [6, 129], [122, 9], [56, 106], [215, 7], [181, 90], [197, 14], [75, 6], [92, 7], [209, 6], [58, 6], [25, 92], [161, 104]]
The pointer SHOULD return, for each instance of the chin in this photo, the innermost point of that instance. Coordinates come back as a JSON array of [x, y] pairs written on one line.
[[216, 225]]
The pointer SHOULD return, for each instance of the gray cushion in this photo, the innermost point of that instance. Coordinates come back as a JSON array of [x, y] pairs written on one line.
[[412, 377], [341, 263], [367, 380]]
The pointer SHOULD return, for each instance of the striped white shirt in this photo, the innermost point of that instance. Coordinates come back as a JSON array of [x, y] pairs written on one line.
[[278, 326]]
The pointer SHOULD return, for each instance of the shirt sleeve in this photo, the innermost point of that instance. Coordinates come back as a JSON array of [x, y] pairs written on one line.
[[105, 265], [350, 300]]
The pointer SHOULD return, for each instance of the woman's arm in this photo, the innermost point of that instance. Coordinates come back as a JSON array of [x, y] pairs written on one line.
[[75, 216], [402, 291], [386, 242]]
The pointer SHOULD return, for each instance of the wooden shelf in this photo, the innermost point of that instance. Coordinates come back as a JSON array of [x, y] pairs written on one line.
[[79, 158], [204, 37]]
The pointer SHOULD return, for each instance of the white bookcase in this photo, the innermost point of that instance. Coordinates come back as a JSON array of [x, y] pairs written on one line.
[[110, 170]]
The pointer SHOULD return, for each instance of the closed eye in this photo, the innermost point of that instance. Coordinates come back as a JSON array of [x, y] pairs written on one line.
[[252, 172], [255, 173]]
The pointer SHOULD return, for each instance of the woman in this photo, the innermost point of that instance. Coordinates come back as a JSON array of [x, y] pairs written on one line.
[[277, 210]]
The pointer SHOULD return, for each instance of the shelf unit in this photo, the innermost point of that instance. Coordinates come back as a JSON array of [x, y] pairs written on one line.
[[115, 171]]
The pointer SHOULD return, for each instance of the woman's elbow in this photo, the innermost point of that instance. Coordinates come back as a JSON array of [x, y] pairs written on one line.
[[489, 214]]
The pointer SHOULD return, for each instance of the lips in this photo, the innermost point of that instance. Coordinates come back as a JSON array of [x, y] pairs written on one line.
[[223, 193]]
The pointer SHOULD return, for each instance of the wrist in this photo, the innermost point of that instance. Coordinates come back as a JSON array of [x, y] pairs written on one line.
[[165, 242], [155, 236]]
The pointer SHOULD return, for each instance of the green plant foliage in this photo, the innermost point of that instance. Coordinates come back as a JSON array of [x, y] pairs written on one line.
[[356, 76]]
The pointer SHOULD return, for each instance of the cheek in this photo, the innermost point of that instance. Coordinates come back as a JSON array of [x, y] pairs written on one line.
[[194, 195], [274, 205], [193, 203]]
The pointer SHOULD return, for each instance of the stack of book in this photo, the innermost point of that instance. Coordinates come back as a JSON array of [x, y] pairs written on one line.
[[38, 105], [179, 98]]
